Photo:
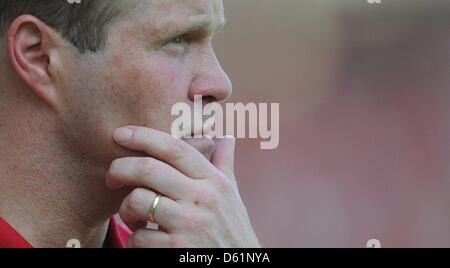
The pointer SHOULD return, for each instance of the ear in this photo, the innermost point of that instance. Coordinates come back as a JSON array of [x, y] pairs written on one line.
[[30, 50]]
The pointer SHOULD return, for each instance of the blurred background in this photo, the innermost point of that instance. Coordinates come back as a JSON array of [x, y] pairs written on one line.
[[364, 119]]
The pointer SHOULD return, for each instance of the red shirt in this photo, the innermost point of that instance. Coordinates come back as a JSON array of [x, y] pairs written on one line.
[[117, 236]]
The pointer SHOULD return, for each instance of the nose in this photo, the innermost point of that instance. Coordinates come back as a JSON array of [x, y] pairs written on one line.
[[210, 80]]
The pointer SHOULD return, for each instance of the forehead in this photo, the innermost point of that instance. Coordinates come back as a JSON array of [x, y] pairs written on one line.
[[172, 14], [186, 6]]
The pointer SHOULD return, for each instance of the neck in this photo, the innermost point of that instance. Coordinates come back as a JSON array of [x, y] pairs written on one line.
[[49, 196]]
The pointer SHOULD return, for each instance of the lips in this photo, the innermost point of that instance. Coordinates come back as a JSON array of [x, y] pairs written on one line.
[[195, 136]]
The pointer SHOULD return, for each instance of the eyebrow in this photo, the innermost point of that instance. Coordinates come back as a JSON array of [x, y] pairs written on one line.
[[206, 25]]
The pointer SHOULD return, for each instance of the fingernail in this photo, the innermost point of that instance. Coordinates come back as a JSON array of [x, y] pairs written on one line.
[[122, 135]]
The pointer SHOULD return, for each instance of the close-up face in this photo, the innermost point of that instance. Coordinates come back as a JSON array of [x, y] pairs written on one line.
[[156, 56]]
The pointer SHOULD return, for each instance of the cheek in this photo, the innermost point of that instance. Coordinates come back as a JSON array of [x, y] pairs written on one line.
[[123, 91], [152, 85], [86, 123], [168, 84], [166, 81]]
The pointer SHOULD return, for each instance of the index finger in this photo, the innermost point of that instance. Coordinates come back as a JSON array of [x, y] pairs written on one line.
[[166, 148]]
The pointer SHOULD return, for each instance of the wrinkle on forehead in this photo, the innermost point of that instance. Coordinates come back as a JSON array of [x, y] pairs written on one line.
[[165, 16]]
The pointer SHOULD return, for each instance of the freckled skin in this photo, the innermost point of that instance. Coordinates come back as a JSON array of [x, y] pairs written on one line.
[[60, 109], [136, 79]]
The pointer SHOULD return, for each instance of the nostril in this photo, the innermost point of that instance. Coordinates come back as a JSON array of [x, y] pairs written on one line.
[[208, 99], [205, 99]]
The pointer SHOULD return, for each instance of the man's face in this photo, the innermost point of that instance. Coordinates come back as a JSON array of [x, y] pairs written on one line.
[[159, 55]]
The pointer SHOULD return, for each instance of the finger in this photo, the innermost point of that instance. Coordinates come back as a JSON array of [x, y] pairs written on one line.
[[204, 144], [164, 147], [223, 158], [136, 208], [147, 238], [149, 173]]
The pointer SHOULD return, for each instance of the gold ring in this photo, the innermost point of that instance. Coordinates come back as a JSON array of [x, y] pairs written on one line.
[[152, 212]]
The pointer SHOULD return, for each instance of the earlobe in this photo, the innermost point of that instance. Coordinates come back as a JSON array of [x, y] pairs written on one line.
[[29, 47]]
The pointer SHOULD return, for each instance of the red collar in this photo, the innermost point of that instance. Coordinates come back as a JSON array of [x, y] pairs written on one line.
[[9, 238]]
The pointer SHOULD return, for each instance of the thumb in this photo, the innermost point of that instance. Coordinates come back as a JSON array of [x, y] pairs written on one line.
[[223, 158]]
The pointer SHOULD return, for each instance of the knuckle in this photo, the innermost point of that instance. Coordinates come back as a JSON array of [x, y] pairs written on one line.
[[147, 165], [222, 183], [139, 134]]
